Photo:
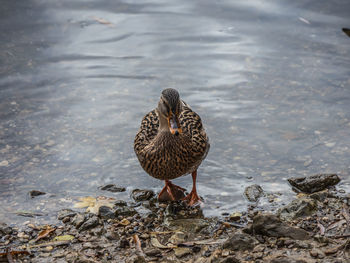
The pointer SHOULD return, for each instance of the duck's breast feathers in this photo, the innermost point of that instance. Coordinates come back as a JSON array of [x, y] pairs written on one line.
[[147, 132]]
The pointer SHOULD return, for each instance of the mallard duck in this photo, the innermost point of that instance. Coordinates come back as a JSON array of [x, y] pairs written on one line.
[[171, 143]]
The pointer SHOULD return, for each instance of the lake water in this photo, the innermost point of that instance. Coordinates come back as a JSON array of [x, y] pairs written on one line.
[[271, 81]]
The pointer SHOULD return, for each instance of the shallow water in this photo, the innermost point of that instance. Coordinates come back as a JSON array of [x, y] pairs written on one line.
[[270, 81]]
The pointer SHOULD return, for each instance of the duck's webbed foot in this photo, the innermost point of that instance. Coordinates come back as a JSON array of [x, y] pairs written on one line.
[[171, 192]]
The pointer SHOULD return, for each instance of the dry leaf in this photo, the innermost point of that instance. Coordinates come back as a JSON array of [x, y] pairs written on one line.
[[124, 222], [203, 242], [44, 233], [137, 243], [64, 238], [102, 21], [93, 204], [157, 244]]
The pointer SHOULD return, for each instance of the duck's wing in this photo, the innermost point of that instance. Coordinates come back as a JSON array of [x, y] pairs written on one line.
[[148, 130]]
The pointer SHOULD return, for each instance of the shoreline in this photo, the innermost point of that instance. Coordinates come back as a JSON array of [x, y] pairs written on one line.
[[314, 227]]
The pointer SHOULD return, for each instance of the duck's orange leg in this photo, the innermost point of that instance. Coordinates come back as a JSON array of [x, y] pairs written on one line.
[[171, 192], [192, 198]]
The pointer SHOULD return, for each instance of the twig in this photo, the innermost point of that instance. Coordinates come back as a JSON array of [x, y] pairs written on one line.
[[9, 256], [138, 244]]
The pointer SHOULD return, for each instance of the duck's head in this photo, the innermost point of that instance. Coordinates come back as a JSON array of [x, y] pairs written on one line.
[[169, 108]]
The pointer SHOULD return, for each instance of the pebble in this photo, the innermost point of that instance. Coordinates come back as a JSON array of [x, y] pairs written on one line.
[[182, 252]]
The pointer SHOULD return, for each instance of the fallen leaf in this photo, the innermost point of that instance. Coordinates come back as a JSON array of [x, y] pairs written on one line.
[[137, 243], [157, 244], [63, 238], [102, 21], [203, 242], [44, 233], [124, 222], [93, 204]]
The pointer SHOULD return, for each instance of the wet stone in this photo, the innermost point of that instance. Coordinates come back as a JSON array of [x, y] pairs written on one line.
[[240, 241], [120, 203], [78, 220], [181, 252], [286, 260], [106, 212], [153, 253], [112, 188], [35, 193], [91, 222], [5, 229], [314, 183], [253, 192], [65, 213], [298, 208], [271, 225], [142, 195], [230, 259], [137, 259], [192, 225], [125, 211]]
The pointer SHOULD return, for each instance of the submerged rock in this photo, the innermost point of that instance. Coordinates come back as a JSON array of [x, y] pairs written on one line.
[[35, 193], [142, 195], [5, 229], [112, 188], [240, 242], [253, 192], [271, 225], [298, 208], [314, 183]]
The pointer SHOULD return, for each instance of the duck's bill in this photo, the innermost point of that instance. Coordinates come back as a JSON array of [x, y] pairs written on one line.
[[173, 126]]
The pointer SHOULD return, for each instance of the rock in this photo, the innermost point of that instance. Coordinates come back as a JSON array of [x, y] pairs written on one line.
[[142, 195], [125, 211], [178, 237], [317, 253], [181, 252], [320, 196], [91, 222], [286, 260], [240, 241], [112, 188], [153, 253], [314, 183], [253, 192], [120, 203], [192, 225], [271, 225], [235, 216], [298, 208], [5, 229], [106, 212], [65, 213], [35, 193], [78, 220], [137, 259], [230, 259]]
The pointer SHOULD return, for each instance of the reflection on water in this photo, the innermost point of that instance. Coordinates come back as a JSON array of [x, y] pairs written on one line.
[[270, 81]]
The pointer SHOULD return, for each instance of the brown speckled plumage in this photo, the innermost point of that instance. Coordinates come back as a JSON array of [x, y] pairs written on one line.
[[164, 155]]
